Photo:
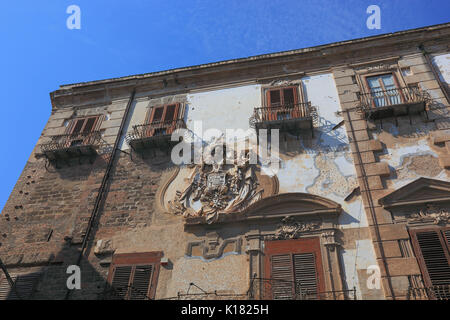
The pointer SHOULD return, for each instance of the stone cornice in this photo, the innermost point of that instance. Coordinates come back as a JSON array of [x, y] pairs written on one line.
[[282, 64]]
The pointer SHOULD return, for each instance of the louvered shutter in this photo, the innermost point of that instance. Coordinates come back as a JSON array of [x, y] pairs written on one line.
[[134, 276], [120, 282], [305, 275], [283, 277], [293, 269], [434, 256], [447, 237], [24, 283], [141, 282]]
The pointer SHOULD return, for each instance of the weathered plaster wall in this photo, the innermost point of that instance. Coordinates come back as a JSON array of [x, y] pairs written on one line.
[[442, 61], [320, 165], [410, 152]]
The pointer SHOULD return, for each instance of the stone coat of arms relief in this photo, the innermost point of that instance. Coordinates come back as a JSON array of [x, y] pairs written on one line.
[[210, 189], [217, 188]]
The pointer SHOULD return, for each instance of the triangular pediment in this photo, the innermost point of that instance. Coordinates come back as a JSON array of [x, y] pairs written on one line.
[[422, 190]]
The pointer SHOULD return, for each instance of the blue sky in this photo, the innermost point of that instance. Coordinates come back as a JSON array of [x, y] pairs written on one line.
[[118, 38]]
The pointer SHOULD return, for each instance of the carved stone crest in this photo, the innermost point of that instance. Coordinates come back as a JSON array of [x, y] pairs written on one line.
[[431, 213], [291, 229], [217, 188]]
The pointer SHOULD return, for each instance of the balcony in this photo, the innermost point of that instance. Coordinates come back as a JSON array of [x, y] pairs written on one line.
[[438, 292], [154, 135], [393, 102], [289, 118], [67, 146]]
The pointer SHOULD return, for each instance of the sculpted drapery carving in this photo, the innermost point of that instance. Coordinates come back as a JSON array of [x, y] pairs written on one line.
[[430, 213], [292, 229]]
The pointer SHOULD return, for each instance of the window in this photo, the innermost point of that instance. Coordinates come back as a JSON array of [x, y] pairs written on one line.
[[24, 286], [81, 128], [384, 90], [134, 276], [293, 269], [431, 247], [83, 125], [162, 119], [282, 104]]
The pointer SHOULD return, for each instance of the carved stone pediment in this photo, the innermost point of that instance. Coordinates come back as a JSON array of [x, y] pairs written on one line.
[[418, 192]]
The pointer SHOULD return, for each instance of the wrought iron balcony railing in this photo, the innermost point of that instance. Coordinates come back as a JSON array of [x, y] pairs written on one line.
[[283, 112], [276, 289], [78, 142], [398, 101], [439, 292], [144, 134]]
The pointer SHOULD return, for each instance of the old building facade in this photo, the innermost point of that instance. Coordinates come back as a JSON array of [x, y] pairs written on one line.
[[360, 184]]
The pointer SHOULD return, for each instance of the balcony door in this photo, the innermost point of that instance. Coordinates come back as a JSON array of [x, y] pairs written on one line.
[[282, 104], [384, 90], [163, 120], [80, 130]]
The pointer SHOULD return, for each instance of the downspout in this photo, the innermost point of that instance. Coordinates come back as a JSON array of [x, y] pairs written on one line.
[[102, 188], [443, 87], [371, 208]]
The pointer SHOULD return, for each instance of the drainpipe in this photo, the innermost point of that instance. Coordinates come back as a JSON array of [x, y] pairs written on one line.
[[443, 86], [371, 208], [102, 188]]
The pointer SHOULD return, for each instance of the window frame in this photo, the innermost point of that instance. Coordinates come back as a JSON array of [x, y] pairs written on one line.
[[134, 260], [418, 251], [165, 107], [368, 89], [72, 126], [292, 247]]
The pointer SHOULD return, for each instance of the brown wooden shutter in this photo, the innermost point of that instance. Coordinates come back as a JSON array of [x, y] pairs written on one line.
[[77, 126], [24, 283], [283, 276], [293, 268], [141, 282], [305, 272], [134, 276], [121, 281], [431, 248]]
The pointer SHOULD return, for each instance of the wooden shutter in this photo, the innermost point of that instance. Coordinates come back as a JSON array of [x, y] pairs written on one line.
[[293, 268], [134, 276], [24, 283], [121, 281], [432, 252], [283, 276], [280, 99], [140, 285]]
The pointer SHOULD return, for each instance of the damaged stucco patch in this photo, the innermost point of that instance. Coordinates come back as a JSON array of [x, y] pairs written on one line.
[[331, 179]]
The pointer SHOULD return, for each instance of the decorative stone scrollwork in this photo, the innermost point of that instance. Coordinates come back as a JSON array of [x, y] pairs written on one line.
[[432, 213], [292, 229]]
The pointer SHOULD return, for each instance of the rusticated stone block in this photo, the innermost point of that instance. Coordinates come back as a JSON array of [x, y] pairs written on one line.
[[444, 161], [377, 169], [440, 136]]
